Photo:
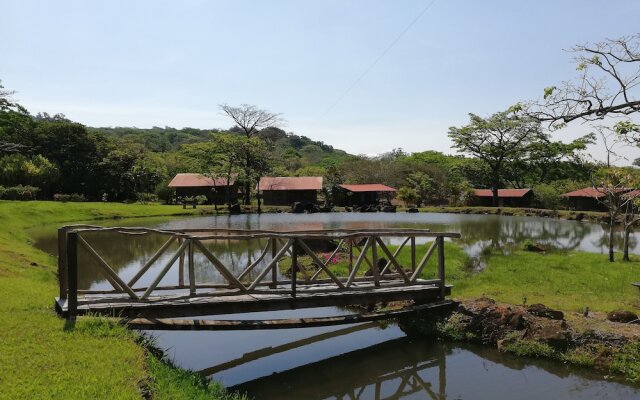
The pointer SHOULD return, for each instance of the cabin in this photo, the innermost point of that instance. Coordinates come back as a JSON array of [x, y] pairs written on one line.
[[506, 197], [218, 190], [590, 198], [371, 194], [287, 190]]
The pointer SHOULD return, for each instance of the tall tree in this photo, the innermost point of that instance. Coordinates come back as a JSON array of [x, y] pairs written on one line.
[[495, 140], [250, 119]]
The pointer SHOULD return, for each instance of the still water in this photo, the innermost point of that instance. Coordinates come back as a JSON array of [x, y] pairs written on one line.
[[366, 361]]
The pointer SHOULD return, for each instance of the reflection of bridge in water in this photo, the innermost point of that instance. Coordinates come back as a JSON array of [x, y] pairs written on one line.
[[392, 370]]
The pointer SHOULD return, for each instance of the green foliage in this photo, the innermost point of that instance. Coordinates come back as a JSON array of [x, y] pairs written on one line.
[[627, 361], [74, 197], [453, 328], [547, 196], [408, 195], [19, 192], [529, 348], [146, 198]]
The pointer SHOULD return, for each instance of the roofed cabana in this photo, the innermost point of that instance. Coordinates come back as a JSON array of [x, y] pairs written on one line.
[[218, 190], [369, 194], [287, 190], [589, 198], [506, 197]]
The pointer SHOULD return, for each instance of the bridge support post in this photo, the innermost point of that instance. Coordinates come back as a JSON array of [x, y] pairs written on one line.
[[441, 274], [72, 274], [62, 262], [274, 269], [294, 268]]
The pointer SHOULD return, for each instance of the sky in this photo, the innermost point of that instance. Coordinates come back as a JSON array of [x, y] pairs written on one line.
[[365, 76]]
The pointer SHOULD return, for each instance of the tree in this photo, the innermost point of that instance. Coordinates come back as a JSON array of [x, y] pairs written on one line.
[[610, 139], [503, 136], [607, 84], [250, 119], [408, 196], [614, 185]]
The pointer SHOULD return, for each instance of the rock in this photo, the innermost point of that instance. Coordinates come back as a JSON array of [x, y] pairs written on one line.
[[533, 247], [412, 210], [580, 216], [235, 209], [540, 310], [552, 332], [622, 316], [389, 209], [297, 208]]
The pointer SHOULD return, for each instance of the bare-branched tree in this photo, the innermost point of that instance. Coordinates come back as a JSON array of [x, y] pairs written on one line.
[[250, 119], [607, 84], [610, 139]]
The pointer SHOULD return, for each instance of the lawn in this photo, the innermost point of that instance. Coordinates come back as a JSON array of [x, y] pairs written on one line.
[[41, 356], [569, 281]]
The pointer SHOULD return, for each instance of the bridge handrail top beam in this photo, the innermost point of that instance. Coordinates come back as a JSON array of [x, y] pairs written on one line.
[[258, 234]]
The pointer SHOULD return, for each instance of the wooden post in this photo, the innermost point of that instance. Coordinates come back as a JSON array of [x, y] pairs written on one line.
[[350, 255], [294, 268], [274, 269], [62, 262], [181, 266], [374, 268], [441, 276], [413, 254], [192, 272], [72, 274]]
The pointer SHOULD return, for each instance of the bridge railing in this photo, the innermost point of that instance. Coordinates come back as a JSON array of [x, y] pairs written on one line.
[[363, 250]]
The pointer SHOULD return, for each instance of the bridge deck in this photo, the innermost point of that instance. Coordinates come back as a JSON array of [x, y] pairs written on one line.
[[220, 302]]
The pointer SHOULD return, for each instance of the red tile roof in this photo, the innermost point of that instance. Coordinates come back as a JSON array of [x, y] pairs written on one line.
[[199, 180], [502, 192], [290, 183], [594, 193], [369, 187]]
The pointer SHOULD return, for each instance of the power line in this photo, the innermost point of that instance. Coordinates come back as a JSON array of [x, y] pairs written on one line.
[[375, 62]]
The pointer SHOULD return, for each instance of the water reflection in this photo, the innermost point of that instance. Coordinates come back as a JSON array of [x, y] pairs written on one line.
[[126, 254]]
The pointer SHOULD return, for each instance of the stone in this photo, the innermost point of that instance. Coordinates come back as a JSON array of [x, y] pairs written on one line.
[[540, 310], [622, 316]]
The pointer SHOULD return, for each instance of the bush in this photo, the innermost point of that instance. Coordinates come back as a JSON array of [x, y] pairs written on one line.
[[547, 196], [201, 199], [19, 192], [165, 193], [73, 197], [146, 198]]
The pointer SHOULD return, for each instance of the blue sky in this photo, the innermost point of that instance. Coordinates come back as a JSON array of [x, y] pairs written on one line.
[[146, 63]]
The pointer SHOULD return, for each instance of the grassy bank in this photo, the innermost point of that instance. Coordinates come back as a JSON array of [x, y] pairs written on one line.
[[594, 216], [568, 281], [41, 356]]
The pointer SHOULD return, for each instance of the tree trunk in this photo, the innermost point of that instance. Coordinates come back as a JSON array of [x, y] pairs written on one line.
[[495, 200], [625, 245], [612, 221]]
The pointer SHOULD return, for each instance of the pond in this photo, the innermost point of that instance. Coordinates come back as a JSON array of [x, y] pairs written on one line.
[[363, 361]]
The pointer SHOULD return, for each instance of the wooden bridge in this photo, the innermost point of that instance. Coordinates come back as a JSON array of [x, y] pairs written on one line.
[[374, 272]]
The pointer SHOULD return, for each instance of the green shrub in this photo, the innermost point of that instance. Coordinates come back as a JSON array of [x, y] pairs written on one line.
[[529, 348], [201, 199], [546, 196], [146, 198], [165, 193], [73, 197], [19, 192]]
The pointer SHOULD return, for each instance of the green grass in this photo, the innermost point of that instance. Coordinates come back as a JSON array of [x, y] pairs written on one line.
[[567, 281], [43, 357]]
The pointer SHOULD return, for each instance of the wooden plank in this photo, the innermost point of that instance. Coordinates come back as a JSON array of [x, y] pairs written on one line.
[[219, 266], [413, 254], [72, 274], [152, 260], [392, 259], [165, 269], [374, 256], [114, 278], [181, 264], [356, 267], [192, 270], [278, 256], [62, 262], [262, 302], [395, 254], [294, 268], [441, 271], [251, 266], [313, 322], [274, 268], [321, 264], [423, 262], [326, 264]]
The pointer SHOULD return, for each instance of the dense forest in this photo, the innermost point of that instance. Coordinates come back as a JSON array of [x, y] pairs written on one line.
[[51, 157]]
